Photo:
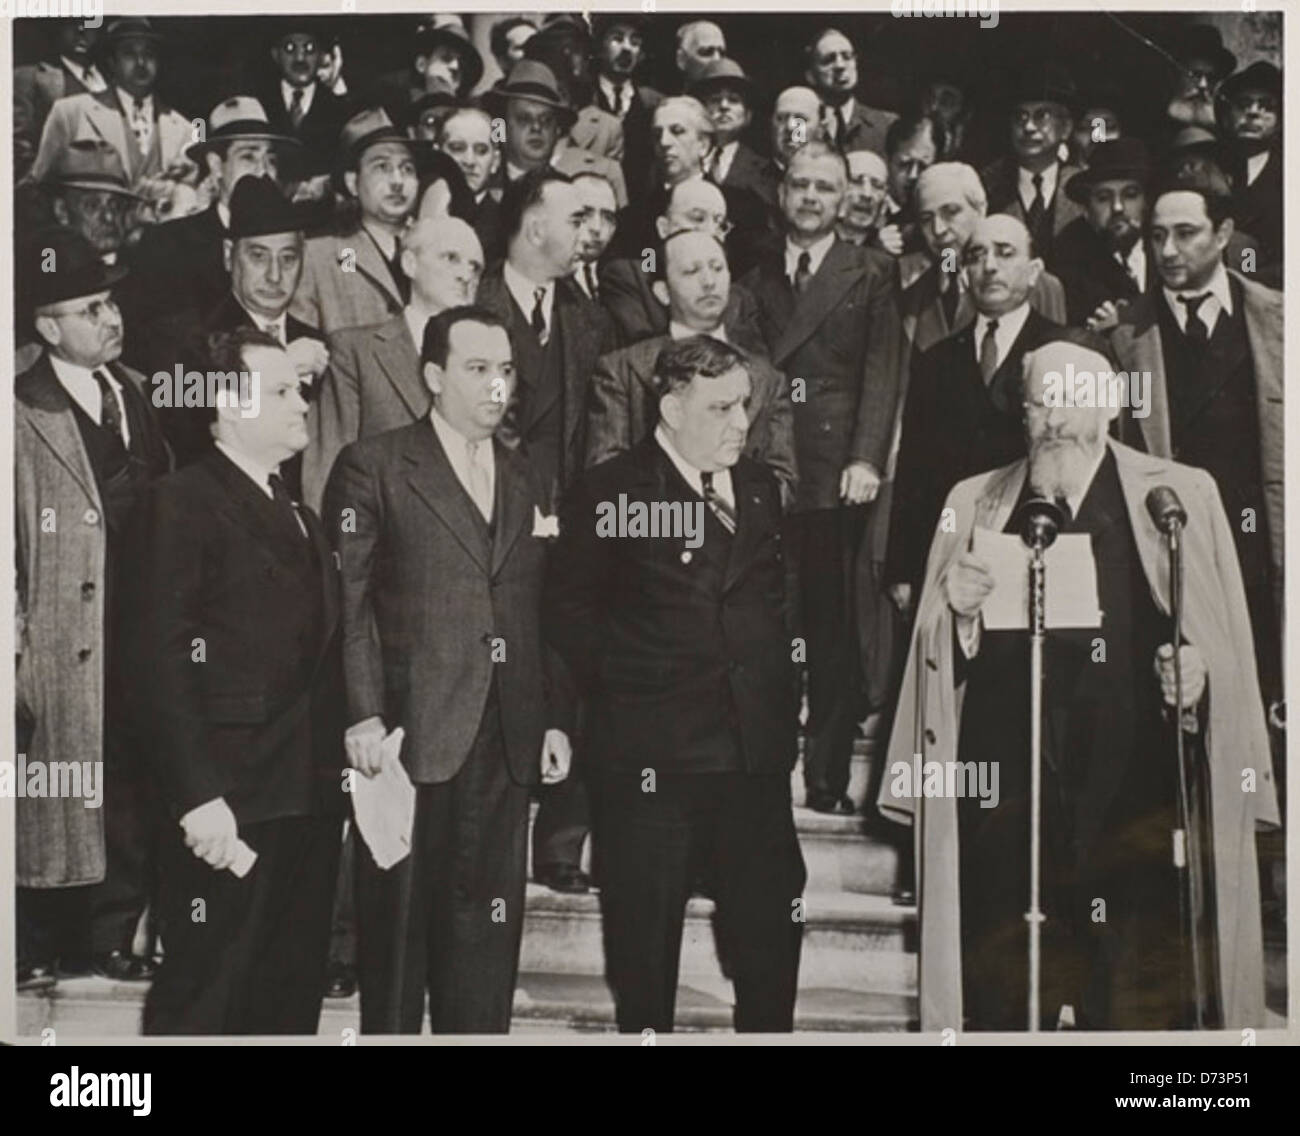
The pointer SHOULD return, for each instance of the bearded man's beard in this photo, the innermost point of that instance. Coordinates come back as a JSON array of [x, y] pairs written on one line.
[[1059, 466]]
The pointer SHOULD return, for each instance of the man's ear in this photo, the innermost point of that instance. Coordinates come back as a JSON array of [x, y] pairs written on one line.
[[350, 182], [661, 227], [496, 161], [59, 208], [47, 327], [660, 290], [405, 265], [227, 252], [1035, 270], [421, 64], [1223, 234], [433, 377], [670, 410]]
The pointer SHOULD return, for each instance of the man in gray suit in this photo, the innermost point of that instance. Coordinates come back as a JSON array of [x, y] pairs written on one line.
[[442, 555], [373, 381]]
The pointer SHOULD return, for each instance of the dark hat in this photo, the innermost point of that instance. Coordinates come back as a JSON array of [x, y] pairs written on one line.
[[602, 23], [257, 207], [132, 27], [238, 117], [1044, 81], [569, 22], [277, 27], [369, 127], [60, 264], [1197, 140], [442, 100], [719, 73], [436, 33], [1259, 76], [1110, 161], [1208, 179], [1203, 41], [89, 163], [529, 79]]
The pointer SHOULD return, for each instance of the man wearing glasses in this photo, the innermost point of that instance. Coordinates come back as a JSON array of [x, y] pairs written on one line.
[[86, 445], [1250, 113]]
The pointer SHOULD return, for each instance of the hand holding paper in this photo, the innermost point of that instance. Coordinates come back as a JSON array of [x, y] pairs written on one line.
[[384, 805]]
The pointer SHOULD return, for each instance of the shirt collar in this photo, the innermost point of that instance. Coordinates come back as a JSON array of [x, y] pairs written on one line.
[[454, 442], [721, 478], [816, 254], [308, 93], [257, 472], [613, 91], [681, 331], [1009, 325], [1050, 177], [523, 291], [1218, 287], [128, 102]]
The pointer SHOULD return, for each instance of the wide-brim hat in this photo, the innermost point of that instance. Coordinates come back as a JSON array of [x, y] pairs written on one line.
[[1203, 41], [258, 207], [239, 118], [1196, 140], [602, 23], [1110, 161], [529, 79], [454, 36], [89, 163], [368, 128], [719, 74], [1044, 81], [1259, 76], [120, 30], [59, 264]]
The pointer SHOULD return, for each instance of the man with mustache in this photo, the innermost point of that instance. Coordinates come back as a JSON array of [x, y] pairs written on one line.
[[864, 200], [1101, 256], [619, 43], [1109, 770], [727, 94], [830, 318], [832, 72]]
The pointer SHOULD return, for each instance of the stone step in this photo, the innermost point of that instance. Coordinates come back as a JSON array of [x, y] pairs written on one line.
[[851, 942], [98, 1008]]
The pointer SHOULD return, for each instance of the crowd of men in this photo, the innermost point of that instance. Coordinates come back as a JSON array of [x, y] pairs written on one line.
[[476, 315]]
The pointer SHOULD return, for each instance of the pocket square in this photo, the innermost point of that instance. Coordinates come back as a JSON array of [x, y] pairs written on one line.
[[543, 525]]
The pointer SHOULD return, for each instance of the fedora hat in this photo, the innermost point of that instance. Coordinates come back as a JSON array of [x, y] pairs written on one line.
[[58, 265], [89, 163], [439, 32], [1203, 41], [1045, 81], [721, 73], [369, 127], [258, 207], [240, 117], [1197, 140], [531, 80], [602, 23], [1259, 76], [277, 27], [1111, 161]]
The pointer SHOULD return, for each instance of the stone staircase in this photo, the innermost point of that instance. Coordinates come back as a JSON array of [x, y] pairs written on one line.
[[858, 968]]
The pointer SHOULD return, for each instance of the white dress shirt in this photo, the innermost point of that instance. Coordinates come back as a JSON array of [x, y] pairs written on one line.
[[257, 473], [457, 448], [721, 478], [523, 290], [1027, 192], [1255, 166], [1219, 299], [415, 324], [1009, 325], [308, 94], [617, 96], [140, 118], [816, 254], [722, 160], [681, 331], [80, 384], [276, 328]]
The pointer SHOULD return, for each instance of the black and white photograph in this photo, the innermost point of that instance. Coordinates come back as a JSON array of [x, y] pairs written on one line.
[[626, 525]]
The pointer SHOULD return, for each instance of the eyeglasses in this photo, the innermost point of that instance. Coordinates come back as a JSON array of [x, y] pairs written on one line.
[[1249, 100], [93, 312], [1040, 117]]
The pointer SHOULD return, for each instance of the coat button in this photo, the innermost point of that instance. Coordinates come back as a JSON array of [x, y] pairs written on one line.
[[87, 590], [91, 516], [931, 736], [83, 654]]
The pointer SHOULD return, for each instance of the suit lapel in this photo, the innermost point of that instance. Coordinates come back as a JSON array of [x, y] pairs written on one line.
[[1147, 354], [837, 274], [106, 121], [50, 413], [513, 504], [253, 510], [373, 266], [393, 353], [751, 529], [171, 133], [434, 481], [328, 574]]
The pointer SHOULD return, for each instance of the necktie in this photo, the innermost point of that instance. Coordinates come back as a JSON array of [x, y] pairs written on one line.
[[949, 294], [141, 125], [273, 330], [589, 274], [539, 316], [479, 488], [1036, 207], [989, 352], [803, 271], [295, 108], [399, 277], [110, 415], [1195, 329], [842, 127], [725, 513], [284, 503]]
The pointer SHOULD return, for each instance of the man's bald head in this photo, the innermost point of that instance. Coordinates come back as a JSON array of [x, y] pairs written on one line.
[[443, 259], [699, 43], [1000, 264], [796, 119], [694, 204]]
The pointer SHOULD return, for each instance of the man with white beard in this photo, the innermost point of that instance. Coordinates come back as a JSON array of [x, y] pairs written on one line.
[[1114, 951]]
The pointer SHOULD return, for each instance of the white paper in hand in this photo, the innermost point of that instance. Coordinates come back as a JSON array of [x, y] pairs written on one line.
[[1071, 591], [384, 805]]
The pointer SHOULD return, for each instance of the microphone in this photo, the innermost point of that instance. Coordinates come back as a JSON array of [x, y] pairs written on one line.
[[1166, 509], [1039, 520]]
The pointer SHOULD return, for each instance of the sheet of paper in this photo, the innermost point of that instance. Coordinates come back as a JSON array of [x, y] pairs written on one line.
[[1071, 591], [384, 806], [245, 858]]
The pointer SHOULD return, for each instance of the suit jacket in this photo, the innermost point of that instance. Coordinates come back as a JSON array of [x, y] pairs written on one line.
[[489, 228], [1136, 342], [1215, 619], [61, 562], [585, 335], [256, 719], [867, 129], [599, 131], [1091, 273], [373, 383], [841, 340], [752, 173], [683, 652], [37, 88], [318, 131], [638, 149], [1259, 211], [624, 408], [573, 159], [1002, 185], [637, 314], [100, 116], [436, 608], [345, 283], [953, 426]]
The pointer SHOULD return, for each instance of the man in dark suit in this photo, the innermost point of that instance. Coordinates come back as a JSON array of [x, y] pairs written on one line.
[[1028, 182], [556, 332], [263, 257], [832, 72], [727, 93], [679, 640], [962, 414], [234, 653], [830, 318], [1249, 105], [1101, 256], [694, 284], [442, 577], [466, 137], [179, 265], [618, 40]]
